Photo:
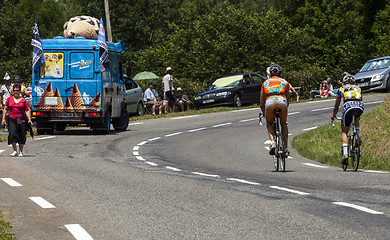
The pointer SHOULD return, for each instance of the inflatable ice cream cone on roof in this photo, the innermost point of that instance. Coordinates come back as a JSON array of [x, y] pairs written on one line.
[[84, 26]]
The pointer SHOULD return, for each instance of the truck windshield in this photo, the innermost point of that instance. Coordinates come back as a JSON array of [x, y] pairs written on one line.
[[376, 65]]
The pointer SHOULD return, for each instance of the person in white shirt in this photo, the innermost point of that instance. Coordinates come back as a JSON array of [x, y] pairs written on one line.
[[150, 99], [5, 90], [169, 91]]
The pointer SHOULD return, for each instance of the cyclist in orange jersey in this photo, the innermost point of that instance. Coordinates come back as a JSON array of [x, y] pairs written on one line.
[[275, 93]]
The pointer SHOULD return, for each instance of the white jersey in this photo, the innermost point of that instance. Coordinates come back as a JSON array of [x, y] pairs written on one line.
[[6, 92]]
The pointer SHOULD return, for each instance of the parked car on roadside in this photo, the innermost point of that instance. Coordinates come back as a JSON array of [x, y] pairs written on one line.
[[232, 90], [134, 97], [374, 75]]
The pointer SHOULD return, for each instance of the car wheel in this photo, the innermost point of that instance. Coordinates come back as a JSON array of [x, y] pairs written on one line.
[[140, 109], [388, 85], [237, 101]]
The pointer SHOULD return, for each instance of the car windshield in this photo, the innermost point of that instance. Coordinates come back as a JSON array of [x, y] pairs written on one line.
[[226, 82], [376, 65]]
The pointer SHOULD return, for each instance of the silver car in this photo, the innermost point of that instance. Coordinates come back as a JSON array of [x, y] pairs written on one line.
[[374, 75], [134, 97]]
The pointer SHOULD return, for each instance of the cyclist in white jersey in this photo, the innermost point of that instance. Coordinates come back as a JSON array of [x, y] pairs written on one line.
[[353, 103]]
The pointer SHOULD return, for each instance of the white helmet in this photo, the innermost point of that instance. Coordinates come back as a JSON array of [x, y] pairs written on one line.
[[348, 79]]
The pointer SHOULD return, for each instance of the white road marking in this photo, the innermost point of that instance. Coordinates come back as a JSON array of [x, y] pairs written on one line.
[[321, 109], [11, 182], [290, 157], [307, 129], [42, 202], [293, 113], [136, 153], [372, 171], [78, 232], [314, 165], [137, 123], [153, 139], [135, 148], [289, 190], [267, 148], [247, 120], [373, 102], [205, 174], [329, 100], [173, 169], [175, 118], [152, 164], [173, 134], [244, 110], [222, 124], [268, 142], [242, 181], [290, 134], [43, 138], [198, 129], [1, 151], [142, 143], [364, 209], [140, 158]]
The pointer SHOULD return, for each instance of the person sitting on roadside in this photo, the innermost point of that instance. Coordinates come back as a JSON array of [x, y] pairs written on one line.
[[150, 99], [332, 92], [182, 101], [324, 90], [159, 101]]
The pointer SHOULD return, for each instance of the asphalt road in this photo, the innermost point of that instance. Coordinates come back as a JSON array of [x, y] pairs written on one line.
[[198, 177]]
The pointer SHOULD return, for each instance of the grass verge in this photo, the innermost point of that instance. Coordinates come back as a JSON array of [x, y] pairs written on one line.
[[323, 144], [4, 227]]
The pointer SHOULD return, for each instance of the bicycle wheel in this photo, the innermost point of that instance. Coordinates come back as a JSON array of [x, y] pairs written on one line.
[[355, 153], [276, 163]]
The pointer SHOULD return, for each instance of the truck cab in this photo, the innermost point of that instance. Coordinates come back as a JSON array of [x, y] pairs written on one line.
[[69, 88]]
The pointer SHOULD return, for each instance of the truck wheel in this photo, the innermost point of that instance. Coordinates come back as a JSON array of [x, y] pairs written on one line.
[[121, 123], [60, 127], [41, 131]]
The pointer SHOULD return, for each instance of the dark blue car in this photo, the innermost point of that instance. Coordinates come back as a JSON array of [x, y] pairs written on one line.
[[232, 90]]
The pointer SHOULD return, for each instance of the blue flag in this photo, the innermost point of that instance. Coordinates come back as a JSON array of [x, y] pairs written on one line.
[[38, 58], [104, 57]]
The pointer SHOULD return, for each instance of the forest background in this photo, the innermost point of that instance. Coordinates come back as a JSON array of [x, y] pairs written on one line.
[[206, 39]]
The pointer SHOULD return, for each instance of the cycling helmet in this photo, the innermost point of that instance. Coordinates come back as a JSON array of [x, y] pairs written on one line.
[[275, 70], [348, 79]]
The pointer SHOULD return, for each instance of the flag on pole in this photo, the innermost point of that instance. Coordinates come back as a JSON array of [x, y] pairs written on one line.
[[104, 57], [38, 58]]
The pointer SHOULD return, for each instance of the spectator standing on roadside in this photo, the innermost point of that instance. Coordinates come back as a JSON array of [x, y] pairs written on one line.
[[24, 92], [169, 91], [5, 90], [19, 117], [182, 101], [150, 99], [268, 69]]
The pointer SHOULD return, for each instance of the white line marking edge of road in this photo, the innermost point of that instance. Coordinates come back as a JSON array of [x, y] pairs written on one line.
[[78, 232]]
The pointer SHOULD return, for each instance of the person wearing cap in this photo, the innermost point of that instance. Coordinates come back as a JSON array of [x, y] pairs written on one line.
[[182, 101], [23, 91], [5, 90], [169, 91], [150, 99]]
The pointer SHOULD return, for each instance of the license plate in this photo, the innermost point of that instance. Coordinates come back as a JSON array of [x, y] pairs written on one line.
[[65, 114], [364, 84], [208, 101]]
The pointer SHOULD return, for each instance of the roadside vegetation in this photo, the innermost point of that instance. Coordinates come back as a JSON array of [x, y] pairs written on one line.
[[4, 227], [323, 144]]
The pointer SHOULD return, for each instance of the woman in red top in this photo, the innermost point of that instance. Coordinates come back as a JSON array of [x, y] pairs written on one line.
[[324, 90], [19, 117]]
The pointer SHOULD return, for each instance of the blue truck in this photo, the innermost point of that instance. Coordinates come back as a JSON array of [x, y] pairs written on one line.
[[69, 88]]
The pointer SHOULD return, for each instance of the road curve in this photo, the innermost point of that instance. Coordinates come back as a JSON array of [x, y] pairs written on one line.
[[197, 177]]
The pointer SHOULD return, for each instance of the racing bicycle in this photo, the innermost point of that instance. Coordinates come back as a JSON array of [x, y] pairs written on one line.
[[354, 143], [280, 156]]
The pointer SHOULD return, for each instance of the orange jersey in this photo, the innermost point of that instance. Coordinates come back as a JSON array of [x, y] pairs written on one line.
[[275, 86]]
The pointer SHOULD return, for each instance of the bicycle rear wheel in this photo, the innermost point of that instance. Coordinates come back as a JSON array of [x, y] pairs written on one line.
[[276, 163], [355, 149], [280, 153]]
